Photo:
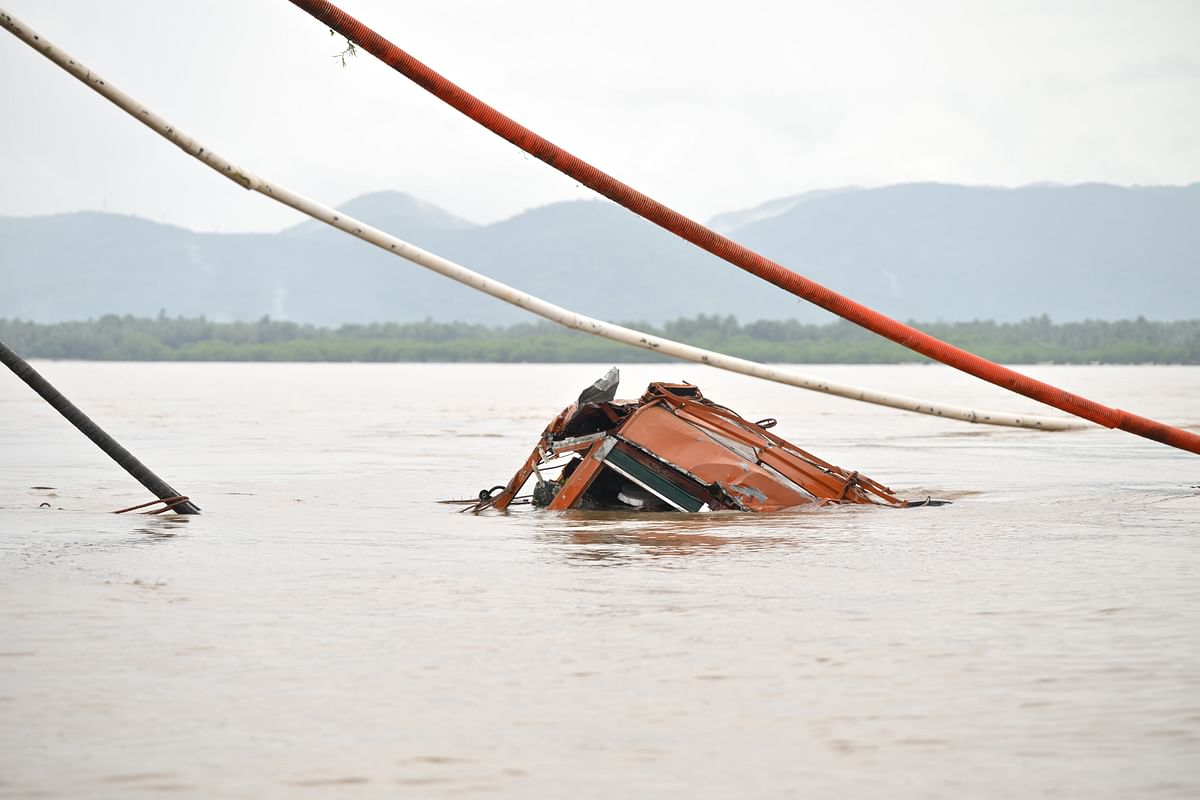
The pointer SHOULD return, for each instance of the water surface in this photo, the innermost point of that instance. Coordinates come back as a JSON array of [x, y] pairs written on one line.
[[327, 629]]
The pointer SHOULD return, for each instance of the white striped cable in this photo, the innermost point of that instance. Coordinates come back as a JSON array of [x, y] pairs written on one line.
[[500, 291]]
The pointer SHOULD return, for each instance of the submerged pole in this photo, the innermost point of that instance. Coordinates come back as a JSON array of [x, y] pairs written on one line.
[[143, 474]]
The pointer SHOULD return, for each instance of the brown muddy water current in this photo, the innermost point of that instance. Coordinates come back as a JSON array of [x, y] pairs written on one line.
[[326, 628]]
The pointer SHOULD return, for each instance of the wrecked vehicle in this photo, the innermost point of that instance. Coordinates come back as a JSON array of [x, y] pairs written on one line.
[[673, 449]]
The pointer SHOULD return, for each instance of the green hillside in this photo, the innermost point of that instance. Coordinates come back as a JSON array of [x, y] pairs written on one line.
[[164, 338]]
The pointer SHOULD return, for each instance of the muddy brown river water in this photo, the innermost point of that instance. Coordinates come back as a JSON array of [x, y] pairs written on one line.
[[326, 628]]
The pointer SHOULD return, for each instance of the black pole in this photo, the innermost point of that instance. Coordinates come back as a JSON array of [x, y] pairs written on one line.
[[91, 430]]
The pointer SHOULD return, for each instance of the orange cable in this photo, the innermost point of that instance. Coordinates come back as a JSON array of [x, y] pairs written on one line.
[[738, 255]]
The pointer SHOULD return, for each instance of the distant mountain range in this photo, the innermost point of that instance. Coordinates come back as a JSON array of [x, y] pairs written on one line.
[[916, 251]]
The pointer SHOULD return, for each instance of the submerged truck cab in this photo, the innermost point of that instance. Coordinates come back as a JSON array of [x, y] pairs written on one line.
[[673, 449]]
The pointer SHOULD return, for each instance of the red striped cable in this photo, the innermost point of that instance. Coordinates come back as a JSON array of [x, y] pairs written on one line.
[[434, 83]]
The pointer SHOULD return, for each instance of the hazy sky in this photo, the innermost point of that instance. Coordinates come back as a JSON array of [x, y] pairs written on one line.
[[706, 106]]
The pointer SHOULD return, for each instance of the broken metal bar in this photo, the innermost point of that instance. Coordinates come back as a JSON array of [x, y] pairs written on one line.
[[143, 474], [581, 479]]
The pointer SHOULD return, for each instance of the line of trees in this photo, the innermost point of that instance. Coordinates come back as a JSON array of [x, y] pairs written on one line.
[[1035, 340]]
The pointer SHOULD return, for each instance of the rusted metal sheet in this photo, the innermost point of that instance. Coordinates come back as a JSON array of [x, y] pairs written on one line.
[[692, 448], [672, 449]]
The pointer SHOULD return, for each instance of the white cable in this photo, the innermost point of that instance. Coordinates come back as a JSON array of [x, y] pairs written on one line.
[[500, 291]]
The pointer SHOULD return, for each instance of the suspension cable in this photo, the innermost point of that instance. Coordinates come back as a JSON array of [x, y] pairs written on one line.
[[740, 256], [482, 283]]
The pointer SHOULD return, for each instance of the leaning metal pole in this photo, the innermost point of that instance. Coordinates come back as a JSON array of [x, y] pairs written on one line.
[[143, 474]]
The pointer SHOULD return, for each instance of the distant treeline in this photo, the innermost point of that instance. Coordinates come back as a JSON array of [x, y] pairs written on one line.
[[1036, 340]]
